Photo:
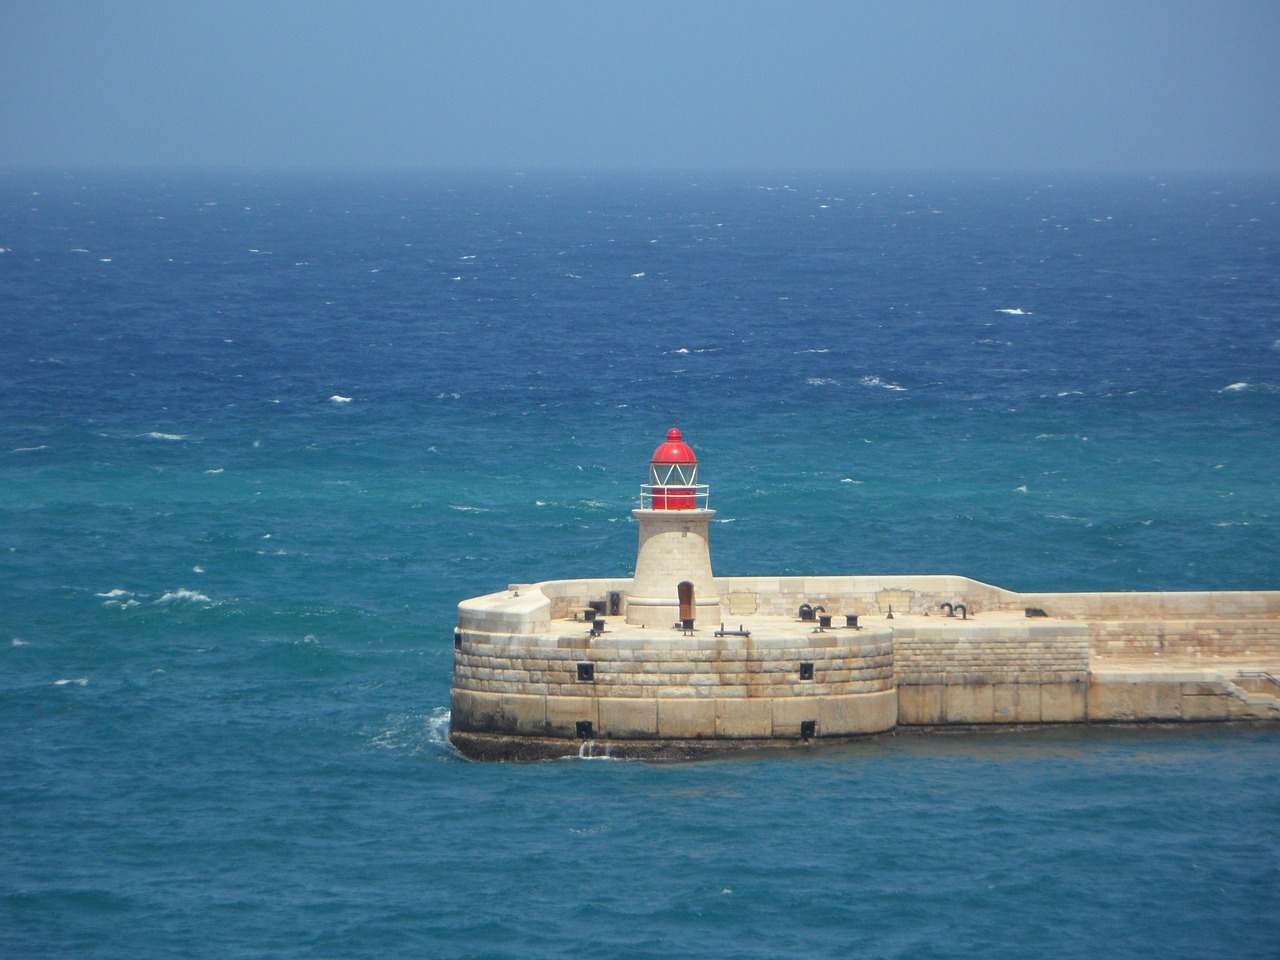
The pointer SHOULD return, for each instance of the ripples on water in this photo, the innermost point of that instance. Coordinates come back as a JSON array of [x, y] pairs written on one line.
[[261, 434]]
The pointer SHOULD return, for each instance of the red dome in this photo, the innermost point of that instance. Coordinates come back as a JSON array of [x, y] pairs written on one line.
[[673, 450]]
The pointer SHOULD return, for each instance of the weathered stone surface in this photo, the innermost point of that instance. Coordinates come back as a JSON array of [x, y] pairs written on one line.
[[1063, 702], [564, 713], [969, 703], [858, 714], [628, 718], [743, 718], [790, 712], [686, 718]]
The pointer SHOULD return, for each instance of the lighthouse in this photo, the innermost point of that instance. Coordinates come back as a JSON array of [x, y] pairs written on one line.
[[673, 581]]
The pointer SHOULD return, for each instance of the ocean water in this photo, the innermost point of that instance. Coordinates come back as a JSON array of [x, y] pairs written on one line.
[[260, 433]]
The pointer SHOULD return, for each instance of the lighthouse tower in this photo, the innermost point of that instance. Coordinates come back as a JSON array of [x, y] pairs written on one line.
[[673, 580]]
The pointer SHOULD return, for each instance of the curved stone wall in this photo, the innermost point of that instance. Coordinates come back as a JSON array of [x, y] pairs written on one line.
[[674, 687]]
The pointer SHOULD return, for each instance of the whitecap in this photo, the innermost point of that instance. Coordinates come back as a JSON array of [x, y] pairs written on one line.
[[681, 350], [819, 381], [640, 274], [1234, 387], [183, 594], [877, 382], [1020, 489], [1014, 311], [466, 509], [415, 733], [157, 435], [43, 446], [81, 681], [19, 643], [115, 594], [816, 350], [215, 470], [850, 480], [338, 398]]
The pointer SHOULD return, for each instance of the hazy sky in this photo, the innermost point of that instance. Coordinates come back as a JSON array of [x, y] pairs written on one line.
[[1154, 86]]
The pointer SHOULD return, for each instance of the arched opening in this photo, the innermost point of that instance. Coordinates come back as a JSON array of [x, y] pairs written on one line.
[[685, 590]]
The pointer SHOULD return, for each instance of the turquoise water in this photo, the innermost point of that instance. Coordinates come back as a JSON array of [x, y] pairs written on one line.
[[261, 434]]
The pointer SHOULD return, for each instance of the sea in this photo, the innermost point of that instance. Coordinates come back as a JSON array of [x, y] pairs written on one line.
[[261, 431]]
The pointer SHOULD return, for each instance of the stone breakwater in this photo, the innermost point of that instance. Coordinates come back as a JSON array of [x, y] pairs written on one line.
[[534, 677]]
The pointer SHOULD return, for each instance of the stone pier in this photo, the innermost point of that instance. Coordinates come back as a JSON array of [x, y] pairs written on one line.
[[534, 678]]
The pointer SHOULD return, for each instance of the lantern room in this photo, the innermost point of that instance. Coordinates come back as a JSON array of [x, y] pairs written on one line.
[[673, 477]]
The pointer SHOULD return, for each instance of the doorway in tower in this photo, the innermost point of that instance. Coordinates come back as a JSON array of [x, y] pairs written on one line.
[[685, 591]]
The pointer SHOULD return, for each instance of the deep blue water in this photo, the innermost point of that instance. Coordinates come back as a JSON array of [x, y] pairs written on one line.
[[226, 597]]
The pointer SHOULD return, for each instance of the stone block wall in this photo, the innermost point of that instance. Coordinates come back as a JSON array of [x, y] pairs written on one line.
[[973, 652], [967, 672], [1153, 639], [673, 687], [1129, 697]]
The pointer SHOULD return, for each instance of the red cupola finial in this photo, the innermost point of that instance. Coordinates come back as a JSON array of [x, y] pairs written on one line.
[[673, 477], [673, 449]]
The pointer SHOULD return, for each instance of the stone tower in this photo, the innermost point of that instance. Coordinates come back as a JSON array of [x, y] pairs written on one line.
[[673, 580]]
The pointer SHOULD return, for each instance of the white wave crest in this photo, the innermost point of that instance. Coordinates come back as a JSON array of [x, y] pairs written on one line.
[[182, 596], [1235, 387], [882, 384], [79, 681], [417, 734], [157, 435], [1014, 311], [115, 594], [338, 398]]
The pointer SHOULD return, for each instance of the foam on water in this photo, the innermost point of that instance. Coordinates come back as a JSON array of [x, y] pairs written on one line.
[[182, 596]]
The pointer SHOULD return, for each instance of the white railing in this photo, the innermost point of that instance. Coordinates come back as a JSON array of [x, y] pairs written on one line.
[[674, 496]]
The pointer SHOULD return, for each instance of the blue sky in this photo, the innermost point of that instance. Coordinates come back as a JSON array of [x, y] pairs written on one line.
[[998, 86]]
